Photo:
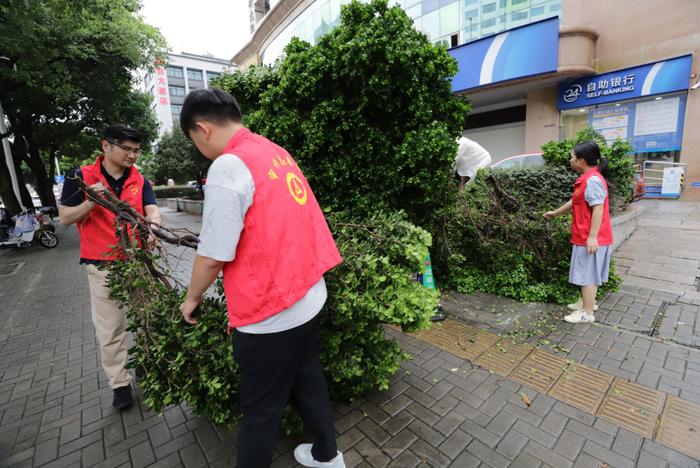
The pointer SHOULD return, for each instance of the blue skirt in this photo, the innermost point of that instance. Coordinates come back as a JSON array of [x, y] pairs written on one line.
[[589, 270]]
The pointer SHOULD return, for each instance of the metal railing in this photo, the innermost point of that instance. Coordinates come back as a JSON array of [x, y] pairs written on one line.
[[662, 179]]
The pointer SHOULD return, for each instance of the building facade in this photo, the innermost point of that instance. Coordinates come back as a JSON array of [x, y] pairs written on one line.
[[540, 70], [169, 84]]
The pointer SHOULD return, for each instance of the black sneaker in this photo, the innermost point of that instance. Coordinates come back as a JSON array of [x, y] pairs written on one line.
[[439, 315], [122, 398]]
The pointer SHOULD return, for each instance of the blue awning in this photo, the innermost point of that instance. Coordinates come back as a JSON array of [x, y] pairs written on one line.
[[525, 51]]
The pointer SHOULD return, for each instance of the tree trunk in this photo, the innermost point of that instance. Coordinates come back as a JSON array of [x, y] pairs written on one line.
[[44, 184], [6, 192], [52, 164]]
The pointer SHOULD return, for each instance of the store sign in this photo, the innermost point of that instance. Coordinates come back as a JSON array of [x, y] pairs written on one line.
[[646, 80], [507, 55], [650, 126], [162, 85]]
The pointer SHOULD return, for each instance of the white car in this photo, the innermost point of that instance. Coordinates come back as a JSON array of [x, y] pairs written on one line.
[[520, 160]]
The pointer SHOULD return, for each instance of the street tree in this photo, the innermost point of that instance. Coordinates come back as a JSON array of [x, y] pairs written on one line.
[[177, 158], [368, 113], [68, 70]]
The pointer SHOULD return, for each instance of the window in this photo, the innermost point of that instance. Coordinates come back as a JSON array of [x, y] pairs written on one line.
[[430, 5], [175, 72], [518, 16], [414, 11], [471, 2], [431, 25], [471, 14], [518, 2], [195, 75], [449, 19], [555, 8], [175, 109], [491, 7], [212, 75], [537, 11], [176, 90], [488, 23], [502, 4], [454, 40]]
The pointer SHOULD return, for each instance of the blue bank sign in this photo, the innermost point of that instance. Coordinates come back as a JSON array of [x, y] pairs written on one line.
[[507, 55], [646, 80]]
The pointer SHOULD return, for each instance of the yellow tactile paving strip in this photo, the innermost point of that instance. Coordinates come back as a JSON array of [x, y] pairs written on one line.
[[680, 426], [582, 387], [503, 357], [648, 412]]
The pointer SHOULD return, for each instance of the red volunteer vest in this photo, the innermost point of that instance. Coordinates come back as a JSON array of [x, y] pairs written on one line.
[[581, 213], [285, 246], [97, 230]]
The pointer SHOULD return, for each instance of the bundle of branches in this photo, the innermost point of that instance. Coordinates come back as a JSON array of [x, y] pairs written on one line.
[[494, 239], [180, 363]]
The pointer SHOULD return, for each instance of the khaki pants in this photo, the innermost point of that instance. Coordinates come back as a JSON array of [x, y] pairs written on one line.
[[110, 329]]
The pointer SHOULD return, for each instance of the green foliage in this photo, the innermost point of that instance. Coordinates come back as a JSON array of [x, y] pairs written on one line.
[[177, 158], [70, 73], [176, 363], [179, 363], [620, 163], [368, 113], [373, 286], [248, 85], [494, 239]]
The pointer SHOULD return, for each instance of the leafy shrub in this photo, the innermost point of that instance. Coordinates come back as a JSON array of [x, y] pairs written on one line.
[[620, 163], [494, 239], [368, 113], [180, 191], [180, 363]]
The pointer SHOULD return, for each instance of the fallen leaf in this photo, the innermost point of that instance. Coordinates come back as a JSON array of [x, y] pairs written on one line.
[[454, 369], [525, 399]]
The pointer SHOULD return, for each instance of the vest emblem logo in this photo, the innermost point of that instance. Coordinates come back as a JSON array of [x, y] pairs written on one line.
[[134, 189], [296, 188]]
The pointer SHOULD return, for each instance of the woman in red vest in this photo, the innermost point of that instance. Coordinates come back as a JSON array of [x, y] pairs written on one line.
[[591, 232]]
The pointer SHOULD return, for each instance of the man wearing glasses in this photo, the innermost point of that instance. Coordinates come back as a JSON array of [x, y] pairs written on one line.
[[113, 171]]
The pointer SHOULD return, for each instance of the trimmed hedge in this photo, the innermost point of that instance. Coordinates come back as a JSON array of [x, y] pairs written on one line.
[[179, 191], [495, 239]]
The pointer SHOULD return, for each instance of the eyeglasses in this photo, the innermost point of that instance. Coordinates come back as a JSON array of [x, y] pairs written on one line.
[[126, 148]]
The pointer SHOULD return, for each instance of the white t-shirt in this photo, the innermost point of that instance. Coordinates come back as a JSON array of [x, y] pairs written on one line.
[[471, 157], [229, 193]]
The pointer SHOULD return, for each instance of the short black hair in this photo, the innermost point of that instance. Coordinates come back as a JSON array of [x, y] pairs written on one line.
[[210, 104], [119, 133]]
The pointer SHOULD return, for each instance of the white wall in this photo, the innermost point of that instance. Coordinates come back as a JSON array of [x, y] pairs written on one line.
[[500, 141]]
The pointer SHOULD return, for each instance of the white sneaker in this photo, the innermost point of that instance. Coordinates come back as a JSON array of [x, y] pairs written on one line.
[[578, 305], [579, 316], [303, 456]]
